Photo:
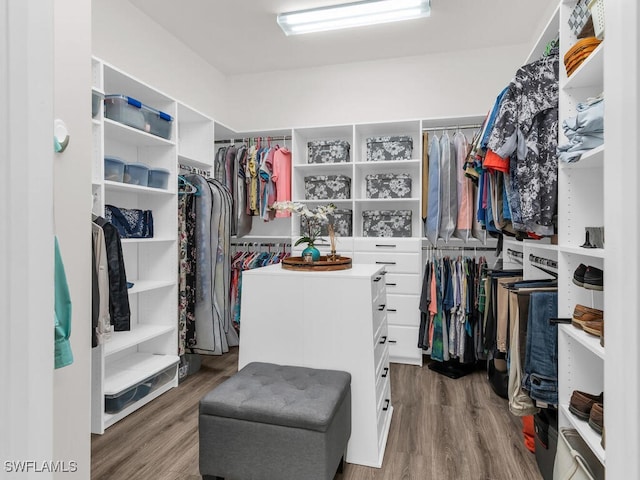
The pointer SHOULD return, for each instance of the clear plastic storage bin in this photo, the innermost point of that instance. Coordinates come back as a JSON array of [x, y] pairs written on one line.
[[158, 178], [119, 401], [136, 114], [113, 169], [136, 174]]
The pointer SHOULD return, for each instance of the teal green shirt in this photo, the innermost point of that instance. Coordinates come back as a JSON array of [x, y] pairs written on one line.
[[63, 354]]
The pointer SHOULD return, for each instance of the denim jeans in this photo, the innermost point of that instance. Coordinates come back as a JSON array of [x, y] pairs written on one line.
[[541, 358]]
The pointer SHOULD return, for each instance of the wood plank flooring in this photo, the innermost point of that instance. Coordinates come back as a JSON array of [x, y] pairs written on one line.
[[442, 429]]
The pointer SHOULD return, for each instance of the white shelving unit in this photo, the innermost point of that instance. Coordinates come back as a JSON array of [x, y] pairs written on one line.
[[149, 348], [581, 204]]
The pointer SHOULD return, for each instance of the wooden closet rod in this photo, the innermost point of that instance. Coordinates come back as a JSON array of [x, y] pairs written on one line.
[[452, 127]]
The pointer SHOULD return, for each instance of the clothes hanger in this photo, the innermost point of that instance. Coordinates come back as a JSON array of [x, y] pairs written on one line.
[[192, 189]]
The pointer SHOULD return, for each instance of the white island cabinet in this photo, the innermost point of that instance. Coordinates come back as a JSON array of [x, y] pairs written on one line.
[[333, 320]]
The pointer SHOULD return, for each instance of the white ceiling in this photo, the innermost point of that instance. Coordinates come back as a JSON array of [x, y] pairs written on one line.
[[241, 36]]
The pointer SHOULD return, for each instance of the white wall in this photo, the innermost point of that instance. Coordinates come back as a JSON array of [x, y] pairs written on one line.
[[129, 40], [440, 85], [72, 207]]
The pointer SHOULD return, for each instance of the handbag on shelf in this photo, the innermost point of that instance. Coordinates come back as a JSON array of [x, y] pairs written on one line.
[[574, 459], [130, 222]]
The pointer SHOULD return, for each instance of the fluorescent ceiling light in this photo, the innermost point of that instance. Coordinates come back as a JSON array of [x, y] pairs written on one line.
[[368, 12]]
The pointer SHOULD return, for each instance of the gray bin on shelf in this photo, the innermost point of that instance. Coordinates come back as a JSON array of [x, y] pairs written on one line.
[[342, 224], [388, 185], [328, 151], [327, 187], [386, 223], [389, 148]]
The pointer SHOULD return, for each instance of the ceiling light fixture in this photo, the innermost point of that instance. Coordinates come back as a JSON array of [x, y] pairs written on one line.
[[368, 12]]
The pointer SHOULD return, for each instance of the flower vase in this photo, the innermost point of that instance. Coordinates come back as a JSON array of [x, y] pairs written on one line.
[[313, 251]]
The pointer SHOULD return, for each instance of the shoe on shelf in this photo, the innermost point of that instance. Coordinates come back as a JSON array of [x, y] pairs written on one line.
[[582, 402], [596, 417], [582, 314], [593, 279], [593, 328], [578, 275]]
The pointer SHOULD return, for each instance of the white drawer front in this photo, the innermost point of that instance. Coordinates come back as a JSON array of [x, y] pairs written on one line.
[[382, 376], [410, 284], [379, 315], [403, 310], [403, 343], [382, 244], [378, 287], [381, 345], [393, 262], [384, 405]]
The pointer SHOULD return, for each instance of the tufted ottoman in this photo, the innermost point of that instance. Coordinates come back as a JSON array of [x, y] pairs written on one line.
[[274, 422]]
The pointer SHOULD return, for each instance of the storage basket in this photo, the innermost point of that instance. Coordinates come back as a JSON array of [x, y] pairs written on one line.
[[114, 169], [596, 7], [327, 187], [389, 148], [328, 151], [386, 223], [132, 112], [114, 402], [342, 224], [388, 185], [579, 17]]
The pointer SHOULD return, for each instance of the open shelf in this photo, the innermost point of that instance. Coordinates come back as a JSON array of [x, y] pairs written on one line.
[[139, 333], [132, 136], [591, 159], [140, 286], [591, 437], [127, 187], [590, 72], [590, 342], [133, 369], [585, 252]]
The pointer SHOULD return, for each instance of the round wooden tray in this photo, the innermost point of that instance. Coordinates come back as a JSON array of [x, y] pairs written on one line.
[[322, 265]]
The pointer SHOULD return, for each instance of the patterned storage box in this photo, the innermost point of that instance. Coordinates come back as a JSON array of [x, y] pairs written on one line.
[[579, 16], [386, 223], [342, 224], [388, 185], [328, 151], [327, 187], [389, 148]]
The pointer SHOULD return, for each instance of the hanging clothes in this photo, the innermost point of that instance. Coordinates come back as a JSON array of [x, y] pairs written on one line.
[[101, 321], [448, 188], [464, 188], [187, 268], [62, 312], [432, 224]]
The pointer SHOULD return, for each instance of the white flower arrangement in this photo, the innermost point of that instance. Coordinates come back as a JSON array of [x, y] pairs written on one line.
[[314, 218]]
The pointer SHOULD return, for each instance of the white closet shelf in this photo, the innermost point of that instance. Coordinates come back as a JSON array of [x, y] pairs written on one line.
[[389, 163], [336, 201], [139, 333], [133, 369], [586, 432], [542, 246], [132, 136], [339, 167], [585, 252], [591, 159], [127, 187], [590, 342], [110, 419], [590, 72], [386, 200], [194, 162], [147, 285]]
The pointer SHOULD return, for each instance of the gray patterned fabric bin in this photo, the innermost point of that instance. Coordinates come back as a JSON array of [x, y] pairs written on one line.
[[342, 224], [388, 185], [386, 223], [328, 151], [389, 148], [327, 187]]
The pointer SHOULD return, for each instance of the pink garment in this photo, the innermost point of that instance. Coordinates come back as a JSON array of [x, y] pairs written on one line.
[[465, 187], [281, 176]]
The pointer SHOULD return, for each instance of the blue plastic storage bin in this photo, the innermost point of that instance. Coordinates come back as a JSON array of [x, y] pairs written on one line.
[[113, 169], [96, 99], [158, 178], [132, 112], [136, 174]]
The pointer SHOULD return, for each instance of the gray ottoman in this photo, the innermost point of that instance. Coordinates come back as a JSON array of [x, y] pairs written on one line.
[[276, 422]]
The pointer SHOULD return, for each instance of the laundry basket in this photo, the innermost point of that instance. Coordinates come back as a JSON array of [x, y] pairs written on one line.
[[596, 7]]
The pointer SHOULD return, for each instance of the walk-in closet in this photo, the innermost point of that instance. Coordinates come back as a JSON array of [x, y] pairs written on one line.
[[371, 251]]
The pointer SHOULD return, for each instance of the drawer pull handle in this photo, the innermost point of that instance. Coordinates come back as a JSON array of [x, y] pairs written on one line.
[[392, 284], [386, 263], [385, 246], [381, 307], [386, 405], [383, 340], [386, 372], [377, 279], [393, 310], [393, 341]]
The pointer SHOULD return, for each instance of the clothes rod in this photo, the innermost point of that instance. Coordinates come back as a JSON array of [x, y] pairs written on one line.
[[249, 139], [261, 244], [477, 249], [452, 127], [199, 171]]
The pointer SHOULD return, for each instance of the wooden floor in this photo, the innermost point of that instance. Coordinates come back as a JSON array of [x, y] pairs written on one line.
[[441, 429]]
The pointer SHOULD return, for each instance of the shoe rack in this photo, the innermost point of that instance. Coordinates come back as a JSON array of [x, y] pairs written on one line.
[[580, 205]]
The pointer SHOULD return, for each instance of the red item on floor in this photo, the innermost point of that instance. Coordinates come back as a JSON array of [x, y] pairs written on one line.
[[529, 431]]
